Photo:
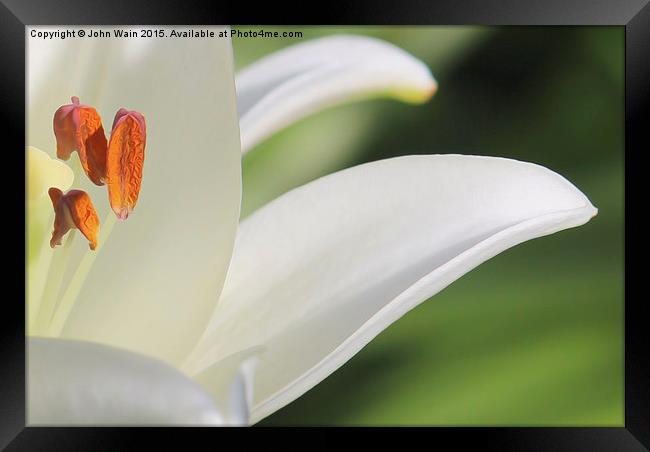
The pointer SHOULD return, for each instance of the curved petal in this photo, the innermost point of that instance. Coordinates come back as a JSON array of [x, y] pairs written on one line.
[[81, 383], [230, 382], [43, 173], [319, 272], [305, 78], [154, 281]]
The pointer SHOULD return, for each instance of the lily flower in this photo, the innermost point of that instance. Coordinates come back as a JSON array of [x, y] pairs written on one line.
[[182, 315]]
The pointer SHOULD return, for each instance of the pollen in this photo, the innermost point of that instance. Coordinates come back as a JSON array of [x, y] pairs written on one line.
[[73, 210], [124, 161], [78, 127]]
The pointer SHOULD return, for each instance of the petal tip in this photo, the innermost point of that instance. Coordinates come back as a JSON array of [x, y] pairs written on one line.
[[418, 85], [430, 89], [592, 211]]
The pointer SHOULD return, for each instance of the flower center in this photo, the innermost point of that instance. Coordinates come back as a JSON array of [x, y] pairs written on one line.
[[117, 163]]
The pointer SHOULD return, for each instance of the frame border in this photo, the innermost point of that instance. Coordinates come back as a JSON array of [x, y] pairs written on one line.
[[633, 14]]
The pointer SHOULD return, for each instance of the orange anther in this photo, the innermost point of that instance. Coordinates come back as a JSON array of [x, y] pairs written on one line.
[[73, 210], [79, 128], [124, 161]]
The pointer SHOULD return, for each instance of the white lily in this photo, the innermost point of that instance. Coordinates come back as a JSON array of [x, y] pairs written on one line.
[[182, 316]]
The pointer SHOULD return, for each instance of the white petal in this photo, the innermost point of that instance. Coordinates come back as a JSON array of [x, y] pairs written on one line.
[[157, 277], [319, 272], [80, 383], [305, 78], [43, 172], [231, 383]]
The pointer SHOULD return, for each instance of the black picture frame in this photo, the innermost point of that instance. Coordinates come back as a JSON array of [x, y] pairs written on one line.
[[634, 15]]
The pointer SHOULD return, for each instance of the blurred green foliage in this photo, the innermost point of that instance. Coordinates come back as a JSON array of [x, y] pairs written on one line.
[[535, 335]]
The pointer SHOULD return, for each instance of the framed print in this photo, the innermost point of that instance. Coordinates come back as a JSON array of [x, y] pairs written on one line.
[[414, 219]]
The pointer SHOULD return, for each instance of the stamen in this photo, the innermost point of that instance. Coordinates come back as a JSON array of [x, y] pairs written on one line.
[[73, 210], [78, 127], [124, 161], [52, 288], [69, 297]]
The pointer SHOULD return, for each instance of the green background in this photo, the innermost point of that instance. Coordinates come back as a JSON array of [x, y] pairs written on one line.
[[535, 335]]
